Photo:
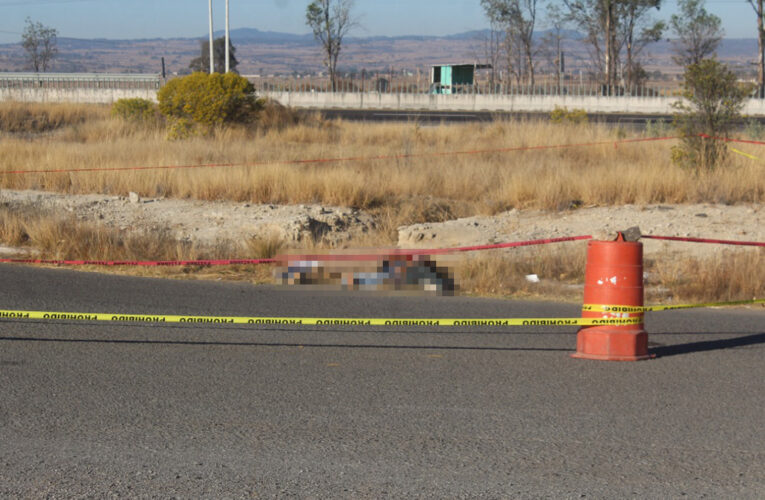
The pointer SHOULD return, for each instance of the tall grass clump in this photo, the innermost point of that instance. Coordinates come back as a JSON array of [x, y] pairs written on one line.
[[504, 274], [134, 110], [730, 275], [36, 118]]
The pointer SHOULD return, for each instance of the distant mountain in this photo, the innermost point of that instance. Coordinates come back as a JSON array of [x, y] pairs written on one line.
[[257, 36], [262, 52]]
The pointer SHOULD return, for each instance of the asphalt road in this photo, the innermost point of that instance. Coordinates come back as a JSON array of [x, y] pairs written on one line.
[[436, 117], [200, 411]]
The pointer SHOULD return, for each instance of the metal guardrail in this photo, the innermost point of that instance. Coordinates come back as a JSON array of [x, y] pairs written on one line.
[[80, 81]]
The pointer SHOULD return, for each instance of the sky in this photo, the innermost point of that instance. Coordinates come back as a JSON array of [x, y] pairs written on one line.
[[125, 19]]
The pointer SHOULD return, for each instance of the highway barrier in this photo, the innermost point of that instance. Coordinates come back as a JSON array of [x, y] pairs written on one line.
[[613, 275]]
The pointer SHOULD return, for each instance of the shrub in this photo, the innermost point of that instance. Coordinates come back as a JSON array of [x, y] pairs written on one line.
[[711, 107], [563, 115], [209, 100], [273, 115], [134, 110]]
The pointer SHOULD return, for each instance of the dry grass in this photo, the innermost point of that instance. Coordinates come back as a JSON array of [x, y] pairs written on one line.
[[65, 238], [559, 270], [31, 118], [427, 186], [730, 275]]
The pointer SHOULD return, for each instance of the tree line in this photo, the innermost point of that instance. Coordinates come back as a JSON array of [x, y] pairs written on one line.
[[616, 33]]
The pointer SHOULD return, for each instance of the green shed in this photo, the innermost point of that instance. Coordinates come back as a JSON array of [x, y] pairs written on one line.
[[453, 78]]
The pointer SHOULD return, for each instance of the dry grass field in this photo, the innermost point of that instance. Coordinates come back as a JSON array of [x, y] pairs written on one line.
[[401, 173]]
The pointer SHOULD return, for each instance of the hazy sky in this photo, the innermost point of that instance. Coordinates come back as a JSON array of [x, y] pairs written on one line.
[[188, 18]]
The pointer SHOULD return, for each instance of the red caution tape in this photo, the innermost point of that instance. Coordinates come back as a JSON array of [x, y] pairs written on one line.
[[146, 263], [336, 160], [432, 251], [705, 240], [326, 257], [728, 139]]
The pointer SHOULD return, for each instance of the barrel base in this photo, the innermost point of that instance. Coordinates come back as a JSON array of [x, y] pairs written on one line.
[[612, 357], [611, 344]]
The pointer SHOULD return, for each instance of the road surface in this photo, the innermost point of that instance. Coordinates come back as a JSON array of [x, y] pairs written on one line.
[[114, 409]]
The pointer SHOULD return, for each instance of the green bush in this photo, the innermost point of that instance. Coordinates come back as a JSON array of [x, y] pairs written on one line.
[[563, 115], [711, 107], [209, 100], [134, 110]]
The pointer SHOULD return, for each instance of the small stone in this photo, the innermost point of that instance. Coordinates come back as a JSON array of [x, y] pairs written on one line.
[[701, 215], [133, 197], [631, 234]]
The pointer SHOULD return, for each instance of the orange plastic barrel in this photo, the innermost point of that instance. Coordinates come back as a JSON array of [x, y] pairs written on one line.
[[613, 276]]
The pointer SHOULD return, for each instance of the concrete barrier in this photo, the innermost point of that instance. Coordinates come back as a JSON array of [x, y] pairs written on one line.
[[79, 95], [404, 102], [483, 102]]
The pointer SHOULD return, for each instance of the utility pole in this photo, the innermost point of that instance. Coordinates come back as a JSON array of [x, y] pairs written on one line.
[[212, 56], [227, 37]]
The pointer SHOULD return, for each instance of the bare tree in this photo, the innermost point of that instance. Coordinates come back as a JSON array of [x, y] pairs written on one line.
[[492, 47], [614, 26], [519, 18], [638, 31], [514, 56], [757, 5], [597, 20], [330, 21], [698, 32], [552, 42], [39, 42]]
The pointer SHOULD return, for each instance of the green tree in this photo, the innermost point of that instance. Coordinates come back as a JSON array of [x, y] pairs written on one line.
[[330, 21], [698, 32], [202, 63], [711, 107], [39, 42], [209, 100]]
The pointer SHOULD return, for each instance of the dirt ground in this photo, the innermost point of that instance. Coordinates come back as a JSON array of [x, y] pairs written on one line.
[[302, 226]]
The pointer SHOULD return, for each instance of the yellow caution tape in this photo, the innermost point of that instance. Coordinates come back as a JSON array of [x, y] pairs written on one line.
[[751, 157], [161, 318], [254, 320], [639, 309]]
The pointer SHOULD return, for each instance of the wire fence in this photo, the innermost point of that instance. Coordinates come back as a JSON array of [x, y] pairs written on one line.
[[388, 84], [79, 81], [408, 85]]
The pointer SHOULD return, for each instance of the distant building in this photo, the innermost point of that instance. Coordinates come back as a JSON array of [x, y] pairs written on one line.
[[453, 78]]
